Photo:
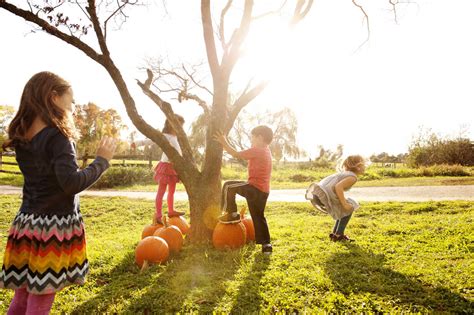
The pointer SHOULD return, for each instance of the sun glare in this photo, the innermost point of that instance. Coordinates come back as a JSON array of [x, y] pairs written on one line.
[[270, 52]]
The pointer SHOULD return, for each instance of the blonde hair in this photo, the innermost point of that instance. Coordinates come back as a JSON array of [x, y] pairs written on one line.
[[352, 163]]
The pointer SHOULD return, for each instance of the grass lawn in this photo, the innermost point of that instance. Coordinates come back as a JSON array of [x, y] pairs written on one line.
[[408, 257]]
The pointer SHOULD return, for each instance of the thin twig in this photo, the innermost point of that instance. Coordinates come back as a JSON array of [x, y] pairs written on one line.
[[366, 17]]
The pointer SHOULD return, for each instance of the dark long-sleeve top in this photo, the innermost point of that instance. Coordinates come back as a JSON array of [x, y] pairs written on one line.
[[52, 178]]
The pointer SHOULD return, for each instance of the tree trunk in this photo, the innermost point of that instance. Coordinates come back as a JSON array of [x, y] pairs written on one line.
[[204, 204]]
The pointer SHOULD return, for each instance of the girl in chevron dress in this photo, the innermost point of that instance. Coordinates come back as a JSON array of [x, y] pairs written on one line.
[[46, 246]]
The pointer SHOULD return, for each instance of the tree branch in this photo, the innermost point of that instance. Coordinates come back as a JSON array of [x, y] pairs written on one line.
[[270, 12], [119, 8], [170, 115], [72, 40], [231, 56], [393, 3], [242, 101], [191, 76], [221, 26], [366, 17], [187, 96], [209, 40], [91, 9], [300, 13]]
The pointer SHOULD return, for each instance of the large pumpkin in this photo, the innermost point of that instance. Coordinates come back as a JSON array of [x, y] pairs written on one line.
[[229, 235], [152, 249], [172, 235], [148, 230], [181, 223], [248, 223]]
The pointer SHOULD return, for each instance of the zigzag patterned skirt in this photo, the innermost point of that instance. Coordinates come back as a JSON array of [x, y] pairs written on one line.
[[44, 253]]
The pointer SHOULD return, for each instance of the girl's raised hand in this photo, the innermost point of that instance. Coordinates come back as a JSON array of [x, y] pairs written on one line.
[[106, 148]]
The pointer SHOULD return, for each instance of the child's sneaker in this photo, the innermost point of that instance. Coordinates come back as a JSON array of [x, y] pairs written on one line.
[[267, 249], [230, 217], [175, 213], [158, 221]]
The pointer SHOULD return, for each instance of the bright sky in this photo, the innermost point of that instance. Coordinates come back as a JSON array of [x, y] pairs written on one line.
[[417, 72]]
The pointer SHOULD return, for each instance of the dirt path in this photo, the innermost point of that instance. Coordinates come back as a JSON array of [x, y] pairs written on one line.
[[413, 193]]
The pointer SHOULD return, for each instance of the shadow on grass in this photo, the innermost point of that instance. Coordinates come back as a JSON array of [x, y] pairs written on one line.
[[193, 280], [361, 271], [248, 298]]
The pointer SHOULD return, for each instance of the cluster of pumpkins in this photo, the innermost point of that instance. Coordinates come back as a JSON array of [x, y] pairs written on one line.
[[159, 240]]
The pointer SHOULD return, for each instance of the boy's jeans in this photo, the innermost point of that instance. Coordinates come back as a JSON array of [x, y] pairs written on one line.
[[256, 201]]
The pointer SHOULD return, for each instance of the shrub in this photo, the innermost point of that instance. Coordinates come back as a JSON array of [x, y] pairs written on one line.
[[431, 149], [124, 176], [301, 178], [445, 170], [370, 176]]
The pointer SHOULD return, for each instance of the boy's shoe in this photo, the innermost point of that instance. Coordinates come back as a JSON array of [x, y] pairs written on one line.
[[267, 249], [175, 213], [230, 217], [158, 221], [331, 236]]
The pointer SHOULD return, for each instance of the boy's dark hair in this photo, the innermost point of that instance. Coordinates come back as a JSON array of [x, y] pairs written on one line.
[[167, 128], [265, 132]]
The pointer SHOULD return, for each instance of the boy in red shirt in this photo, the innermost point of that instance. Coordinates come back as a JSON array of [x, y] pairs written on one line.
[[256, 189]]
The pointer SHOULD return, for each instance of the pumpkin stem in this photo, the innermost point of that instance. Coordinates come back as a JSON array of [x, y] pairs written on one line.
[[144, 266], [153, 220], [165, 221], [242, 212]]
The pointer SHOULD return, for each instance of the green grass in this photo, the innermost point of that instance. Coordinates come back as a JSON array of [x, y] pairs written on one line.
[[408, 257]]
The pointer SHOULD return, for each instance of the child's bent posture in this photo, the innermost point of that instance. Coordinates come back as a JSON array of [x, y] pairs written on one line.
[[328, 195]]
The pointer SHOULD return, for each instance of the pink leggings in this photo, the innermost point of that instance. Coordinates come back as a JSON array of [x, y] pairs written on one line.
[[29, 304], [169, 198]]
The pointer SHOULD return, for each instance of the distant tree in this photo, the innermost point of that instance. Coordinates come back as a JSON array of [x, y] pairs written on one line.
[[93, 123], [428, 148], [6, 115], [384, 157], [328, 158]]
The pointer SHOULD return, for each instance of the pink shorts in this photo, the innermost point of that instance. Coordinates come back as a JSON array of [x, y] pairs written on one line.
[[165, 174]]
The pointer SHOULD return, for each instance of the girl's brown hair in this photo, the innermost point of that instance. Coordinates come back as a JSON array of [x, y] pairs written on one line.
[[168, 128], [36, 101], [353, 162]]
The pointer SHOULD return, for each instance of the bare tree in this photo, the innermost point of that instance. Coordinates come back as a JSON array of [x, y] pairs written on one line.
[[202, 185]]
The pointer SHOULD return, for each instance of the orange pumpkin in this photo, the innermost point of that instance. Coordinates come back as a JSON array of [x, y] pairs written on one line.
[[172, 235], [152, 249], [148, 230], [249, 228], [181, 223], [229, 235]]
